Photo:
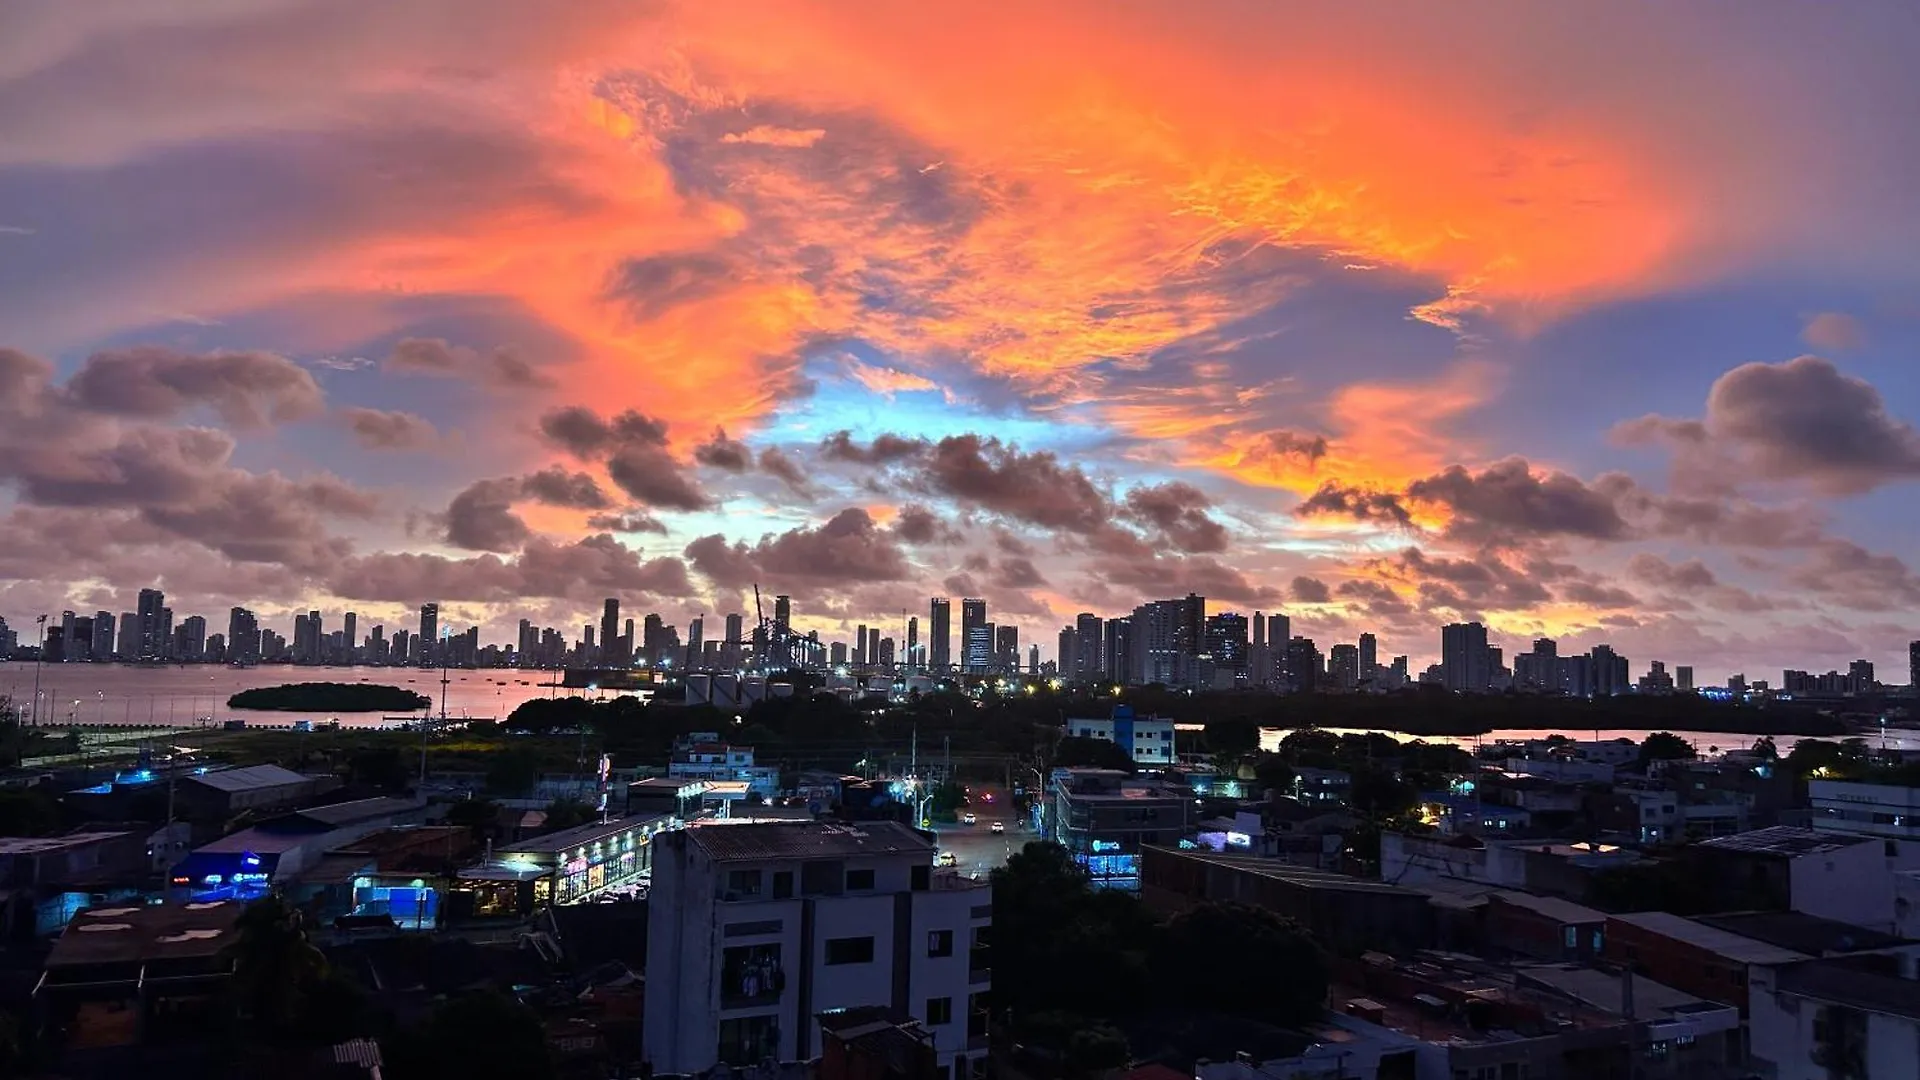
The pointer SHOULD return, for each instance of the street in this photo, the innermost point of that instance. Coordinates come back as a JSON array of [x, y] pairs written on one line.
[[975, 847]]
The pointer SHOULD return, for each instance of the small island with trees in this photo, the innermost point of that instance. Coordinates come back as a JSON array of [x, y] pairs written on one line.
[[330, 697]]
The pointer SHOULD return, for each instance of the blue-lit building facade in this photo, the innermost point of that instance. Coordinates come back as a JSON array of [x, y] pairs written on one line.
[[1148, 741], [1103, 817]]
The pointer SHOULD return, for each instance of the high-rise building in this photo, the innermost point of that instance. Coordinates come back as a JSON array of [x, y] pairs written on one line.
[[1610, 675], [1683, 678], [783, 612], [1259, 653], [1006, 648], [1465, 666], [1343, 667], [1540, 669], [426, 644], [1069, 653], [940, 634], [243, 635], [1226, 645], [127, 634], [79, 644], [1913, 667], [191, 641], [697, 636], [349, 630], [1303, 665], [1033, 659], [973, 619], [1369, 657], [610, 631], [860, 646], [1117, 666], [1089, 664], [151, 601], [914, 659], [101, 647]]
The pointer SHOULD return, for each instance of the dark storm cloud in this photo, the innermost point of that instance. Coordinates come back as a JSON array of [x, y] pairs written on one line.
[[500, 368], [1308, 590], [918, 525], [1019, 573], [633, 447], [846, 549], [1359, 504], [1464, 585], [1030, 487], [721, 452], [556, 486], [383, 429], [775, 463], [884, 450], [1508, 498], [651, 286], [481, 517], [1179, 511], [1802, 420], [247, 390]]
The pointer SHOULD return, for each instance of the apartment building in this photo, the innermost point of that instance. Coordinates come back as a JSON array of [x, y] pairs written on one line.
[[756, 929]]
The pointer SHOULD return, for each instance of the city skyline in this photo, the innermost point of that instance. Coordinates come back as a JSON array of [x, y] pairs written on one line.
[[520, 310]]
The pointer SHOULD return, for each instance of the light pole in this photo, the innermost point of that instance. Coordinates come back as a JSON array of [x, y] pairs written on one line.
[[39, 655]]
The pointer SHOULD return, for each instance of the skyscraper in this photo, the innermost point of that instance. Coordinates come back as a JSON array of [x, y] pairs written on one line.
[[1343, 667], [783, 612], [1006, 648], [696, 637], [914, 659], [349, 627], [1090, 662], [102, 635], [1464, 663], [979, 648], [860, 646], [1226, 644], [1683, 677], [426, 645], [1259, 657], [940, 634], [610, 632], [151, 601], [243, 635], [1610, 674], [1118, 638], [1303, 665], [192, 638], [1913, 667], [1369, 657], [1069, 653]]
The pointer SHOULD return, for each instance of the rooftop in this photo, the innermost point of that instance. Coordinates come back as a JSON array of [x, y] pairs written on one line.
[[40, 845], [1552, 907], [745, 841], [1841, 982], [139, 934], [581, 835], [1305, 877], [248, 778], [1605, 991], [1732, 946], [1785, 841], [1808, 934]]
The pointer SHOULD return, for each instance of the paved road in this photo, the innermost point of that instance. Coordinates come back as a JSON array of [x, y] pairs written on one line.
[[975, 847]]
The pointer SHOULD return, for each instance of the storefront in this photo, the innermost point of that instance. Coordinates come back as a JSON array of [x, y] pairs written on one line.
[[568, 867]]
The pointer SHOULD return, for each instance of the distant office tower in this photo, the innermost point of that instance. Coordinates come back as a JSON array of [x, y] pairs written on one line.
[[127, 633], [1033, 659], [1090, 662], [883, 652], [151, 601], [1464, 664], [1117, 666], [1303, 665], [1006, 648], [1168, 639], [191, 641], [973, 618], [914, 659], [837, 654], [1279, 632], [427, 642], [1259, 656], [79, 644], [1683, 679], [1069, 653], [1369, 657], [349, 631], [783, 611], [1539, 669], [697, 636], [860, 645], [1343, 667], [1913, 667], [940, 634], [736, 625]]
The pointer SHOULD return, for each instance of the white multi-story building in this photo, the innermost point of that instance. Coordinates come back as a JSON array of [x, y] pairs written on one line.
[[1147, 740], [755, 929], [702, 756], [1884, 811]]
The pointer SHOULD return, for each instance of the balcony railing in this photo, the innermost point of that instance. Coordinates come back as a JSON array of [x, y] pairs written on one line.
[[748, 1001]]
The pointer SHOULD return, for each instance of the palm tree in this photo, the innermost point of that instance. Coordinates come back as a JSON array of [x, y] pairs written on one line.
[[275, 966]]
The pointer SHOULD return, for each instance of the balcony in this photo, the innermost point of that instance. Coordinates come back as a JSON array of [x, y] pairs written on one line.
[[754, 992], [979, 965]]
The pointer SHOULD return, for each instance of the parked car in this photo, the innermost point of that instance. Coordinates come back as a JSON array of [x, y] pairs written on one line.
[[969, 819]]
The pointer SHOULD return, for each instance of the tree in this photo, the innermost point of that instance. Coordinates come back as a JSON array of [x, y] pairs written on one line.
[[1764, 747], [1233, 737], [475, 1034], [566, 814], [947, 799], [1242, 960], [1665, 746], [1380, 794], [512, 773], [276, 968], [478, 815], [30, 812], [378, 766], [1056, 939], [1077, 752]]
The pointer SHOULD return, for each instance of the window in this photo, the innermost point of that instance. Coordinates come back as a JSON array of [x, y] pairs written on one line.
[[783, 884], [743, 882], [1573, 937], [940, 1010], [920, 878], [849, 950], [939, 943], [859, 880]]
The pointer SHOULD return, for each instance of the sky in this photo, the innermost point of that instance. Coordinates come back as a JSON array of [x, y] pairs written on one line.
[[1588, 320]]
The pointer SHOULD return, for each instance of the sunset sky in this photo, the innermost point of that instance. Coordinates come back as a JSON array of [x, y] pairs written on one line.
[[1591, 320]]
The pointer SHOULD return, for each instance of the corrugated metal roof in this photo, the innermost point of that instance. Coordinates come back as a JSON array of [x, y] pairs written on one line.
[[248, 778]]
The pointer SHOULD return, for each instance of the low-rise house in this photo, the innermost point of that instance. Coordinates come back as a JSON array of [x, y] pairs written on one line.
[[247, 864], [1832, 875], [703, 756], [45, 880], [1346, 912], [1826, 1019], [1105, 819]]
